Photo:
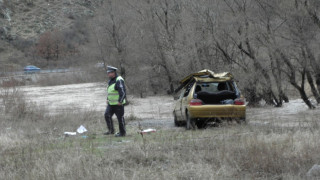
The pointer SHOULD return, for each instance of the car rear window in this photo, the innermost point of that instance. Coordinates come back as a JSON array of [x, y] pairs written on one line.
[[212, 87]]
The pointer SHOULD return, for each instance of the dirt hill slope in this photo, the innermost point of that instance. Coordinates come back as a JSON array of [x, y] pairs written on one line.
[[25, 20]]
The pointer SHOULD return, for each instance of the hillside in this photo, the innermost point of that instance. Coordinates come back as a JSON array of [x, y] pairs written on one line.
[[22, 21]]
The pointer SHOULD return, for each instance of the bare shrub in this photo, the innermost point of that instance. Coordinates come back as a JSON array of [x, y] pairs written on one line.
[[11, 82], [18, 109], [13, 101]]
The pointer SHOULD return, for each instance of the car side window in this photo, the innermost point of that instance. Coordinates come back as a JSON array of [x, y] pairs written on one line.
[[182, 94], [186, 93], [188, 88]]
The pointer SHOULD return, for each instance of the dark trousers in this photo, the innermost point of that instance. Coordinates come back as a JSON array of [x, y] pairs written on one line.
[[119, 111]]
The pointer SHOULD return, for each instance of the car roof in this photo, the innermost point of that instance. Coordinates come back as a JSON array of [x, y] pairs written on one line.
[[205, 75]]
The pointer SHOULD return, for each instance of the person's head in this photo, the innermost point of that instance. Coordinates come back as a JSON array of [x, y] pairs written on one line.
[[111, 72]]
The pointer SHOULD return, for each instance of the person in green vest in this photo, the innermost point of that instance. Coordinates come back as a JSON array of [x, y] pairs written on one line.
[[115, 102]]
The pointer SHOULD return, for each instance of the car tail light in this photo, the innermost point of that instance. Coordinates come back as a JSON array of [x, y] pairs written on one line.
[[239, 101], [196, 102]]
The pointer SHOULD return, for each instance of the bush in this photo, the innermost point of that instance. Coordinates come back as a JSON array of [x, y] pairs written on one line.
[[12, 100]]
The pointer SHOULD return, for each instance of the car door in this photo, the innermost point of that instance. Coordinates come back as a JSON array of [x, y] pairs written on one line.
[[184, 101], [177, 108]]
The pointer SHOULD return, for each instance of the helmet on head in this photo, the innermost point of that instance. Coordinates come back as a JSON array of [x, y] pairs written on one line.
[[111, 69]]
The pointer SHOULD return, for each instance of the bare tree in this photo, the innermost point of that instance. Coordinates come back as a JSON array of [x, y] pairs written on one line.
[[267, 44]]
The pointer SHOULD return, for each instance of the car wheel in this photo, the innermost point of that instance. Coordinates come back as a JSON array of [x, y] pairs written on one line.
[[190, 123], [176, 122], [201, 124]]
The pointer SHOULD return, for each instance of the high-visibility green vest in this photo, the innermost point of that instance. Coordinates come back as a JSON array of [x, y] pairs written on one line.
[[113, 95]]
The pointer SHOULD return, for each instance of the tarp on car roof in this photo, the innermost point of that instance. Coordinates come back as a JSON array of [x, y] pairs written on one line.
[[206, 73], [209, 73]]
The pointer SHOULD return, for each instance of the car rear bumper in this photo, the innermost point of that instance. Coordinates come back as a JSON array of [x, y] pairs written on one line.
[[221, 111]]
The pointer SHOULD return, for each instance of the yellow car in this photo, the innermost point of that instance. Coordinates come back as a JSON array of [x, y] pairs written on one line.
[[208, 97]]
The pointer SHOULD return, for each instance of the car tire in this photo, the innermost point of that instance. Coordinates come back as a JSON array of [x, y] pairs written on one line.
[[201, 124], [176, 122], [190, 123]]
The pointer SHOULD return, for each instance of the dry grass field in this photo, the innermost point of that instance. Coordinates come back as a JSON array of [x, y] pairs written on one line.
[[270, 46], [32, 144]]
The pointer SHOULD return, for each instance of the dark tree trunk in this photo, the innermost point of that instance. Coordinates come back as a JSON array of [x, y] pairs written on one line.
[[302, 91], [268, 95], [313, 88], [277, 74], [292, 76], [284, 97], [251, 95], [305, 99], [317, 77]]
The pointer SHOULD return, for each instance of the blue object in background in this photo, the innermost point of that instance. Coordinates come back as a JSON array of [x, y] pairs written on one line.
[[31, 69]]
